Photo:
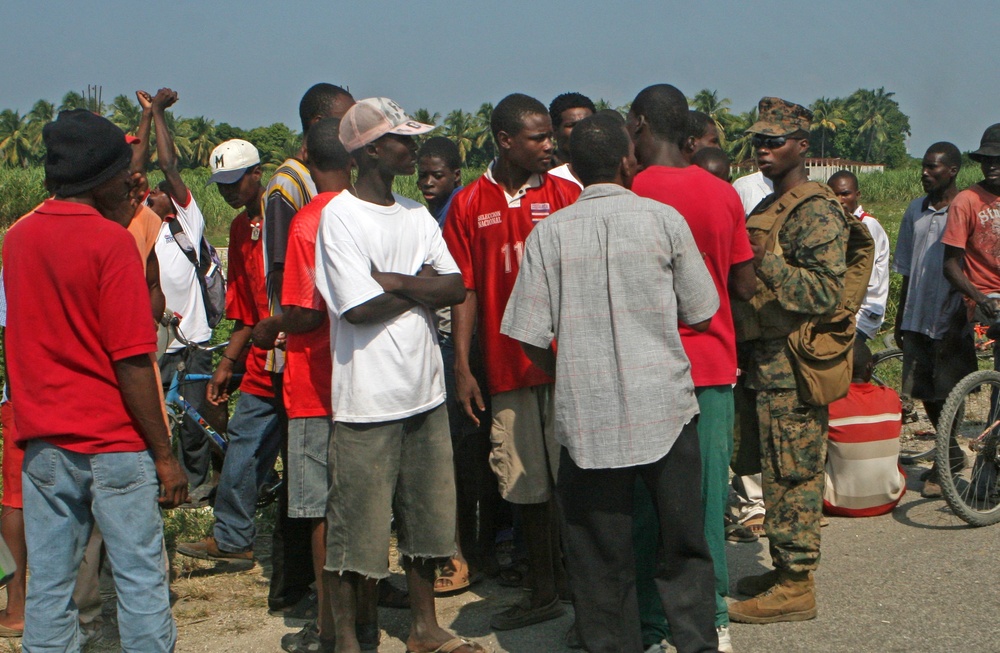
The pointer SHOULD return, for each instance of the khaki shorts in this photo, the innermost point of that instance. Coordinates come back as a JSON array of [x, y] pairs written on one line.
[[524, 454]]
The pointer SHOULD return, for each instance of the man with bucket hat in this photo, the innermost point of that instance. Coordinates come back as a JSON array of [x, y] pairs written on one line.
[[90, 417], [798, 235]]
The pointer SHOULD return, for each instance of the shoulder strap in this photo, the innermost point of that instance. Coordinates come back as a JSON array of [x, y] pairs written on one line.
[[175, 229]]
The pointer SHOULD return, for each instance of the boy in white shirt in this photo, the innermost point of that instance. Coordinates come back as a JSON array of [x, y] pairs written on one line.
[[382, 268]]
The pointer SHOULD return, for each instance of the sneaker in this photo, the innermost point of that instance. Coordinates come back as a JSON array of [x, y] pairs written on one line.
[[725, 641], [207, 549]]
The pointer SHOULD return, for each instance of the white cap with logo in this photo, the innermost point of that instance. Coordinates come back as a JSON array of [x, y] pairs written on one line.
[[230, 161], [373, 118]]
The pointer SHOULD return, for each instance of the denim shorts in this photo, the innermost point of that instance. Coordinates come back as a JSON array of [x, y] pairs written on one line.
[[402, 469], [308, 484]]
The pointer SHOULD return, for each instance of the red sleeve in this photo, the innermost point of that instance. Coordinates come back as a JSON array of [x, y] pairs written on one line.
[[961, 221], [459, 240], [239, 295], [741, 240], [125, 315], [299, 284]]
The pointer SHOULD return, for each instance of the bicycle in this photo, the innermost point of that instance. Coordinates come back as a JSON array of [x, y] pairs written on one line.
[[972, 416], [177, 408]]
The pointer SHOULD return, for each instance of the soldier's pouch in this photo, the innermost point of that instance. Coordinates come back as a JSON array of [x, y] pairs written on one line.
[[799, 443], [821, 352]]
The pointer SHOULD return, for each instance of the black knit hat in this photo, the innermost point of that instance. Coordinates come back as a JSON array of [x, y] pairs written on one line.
[[82, 151], [989, 146]]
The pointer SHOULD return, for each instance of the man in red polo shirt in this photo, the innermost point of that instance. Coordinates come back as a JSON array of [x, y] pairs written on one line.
[[658, 122], [486, 227], [255, 427], [89, 415]]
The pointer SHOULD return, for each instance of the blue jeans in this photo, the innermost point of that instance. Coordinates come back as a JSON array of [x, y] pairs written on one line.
[[65, 493], [254, 441]]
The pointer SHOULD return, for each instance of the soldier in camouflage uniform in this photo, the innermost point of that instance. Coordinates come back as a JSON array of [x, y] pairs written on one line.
[[799, 278]]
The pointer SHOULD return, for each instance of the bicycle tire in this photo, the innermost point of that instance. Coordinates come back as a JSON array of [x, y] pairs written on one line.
[[883, 359], [972, 415]]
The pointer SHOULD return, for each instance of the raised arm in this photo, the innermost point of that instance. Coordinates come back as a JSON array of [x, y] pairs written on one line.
[[166, 154], [140, 150]]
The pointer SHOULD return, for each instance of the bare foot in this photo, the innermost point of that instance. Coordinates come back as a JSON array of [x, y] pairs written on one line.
[[11, 621]]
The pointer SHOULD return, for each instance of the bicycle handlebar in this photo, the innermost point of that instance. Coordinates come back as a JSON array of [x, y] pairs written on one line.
[[172, 322]]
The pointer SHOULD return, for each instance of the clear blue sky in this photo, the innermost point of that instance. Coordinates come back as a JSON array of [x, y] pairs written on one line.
[[248, 62]]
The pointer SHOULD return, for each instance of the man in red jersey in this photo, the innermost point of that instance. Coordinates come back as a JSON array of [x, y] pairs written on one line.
[[255, 428], [658, 123], [486, 228], [89, 415]]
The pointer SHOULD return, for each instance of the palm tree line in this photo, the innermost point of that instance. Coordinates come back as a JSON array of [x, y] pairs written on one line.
[[868, 125]]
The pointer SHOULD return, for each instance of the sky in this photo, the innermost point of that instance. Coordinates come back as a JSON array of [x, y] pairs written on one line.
[[248, 62]]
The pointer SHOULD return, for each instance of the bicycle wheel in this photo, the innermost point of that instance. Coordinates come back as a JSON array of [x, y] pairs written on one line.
[[967, 446]]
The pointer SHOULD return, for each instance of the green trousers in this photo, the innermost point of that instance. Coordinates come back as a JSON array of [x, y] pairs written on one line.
[[715, 435]]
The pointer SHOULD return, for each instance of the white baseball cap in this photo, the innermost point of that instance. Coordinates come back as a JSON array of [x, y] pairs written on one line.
[[373, 118], [231, 159]]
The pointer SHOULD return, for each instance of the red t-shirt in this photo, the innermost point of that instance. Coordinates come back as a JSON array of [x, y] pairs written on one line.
[[974, 225], [77, 302], [714, 213], [308, 364], [485, 234], [246, 298]]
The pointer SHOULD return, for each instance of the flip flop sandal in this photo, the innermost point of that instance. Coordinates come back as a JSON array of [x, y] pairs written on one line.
[[454, 644]]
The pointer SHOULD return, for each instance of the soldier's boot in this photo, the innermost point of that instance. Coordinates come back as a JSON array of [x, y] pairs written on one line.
[[792, 599], [754, 585]]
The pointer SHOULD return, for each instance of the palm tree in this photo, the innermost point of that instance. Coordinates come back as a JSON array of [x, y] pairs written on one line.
[[42, 113], [426, 117], [828, 116], [602, 105], [484, 131], [73, 100], [200, 135], [740, 146], [709, 103], [871, 110], [461, 128], [125, 113], [15, 139]]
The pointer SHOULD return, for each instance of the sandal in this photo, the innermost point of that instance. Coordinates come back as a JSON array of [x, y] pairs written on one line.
[[756, 525], [455, 644], [452, 576], [522, 615], [307, 640], [740, 533]]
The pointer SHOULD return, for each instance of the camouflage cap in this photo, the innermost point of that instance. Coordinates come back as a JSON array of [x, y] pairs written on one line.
[[989, 145], [776, 117]]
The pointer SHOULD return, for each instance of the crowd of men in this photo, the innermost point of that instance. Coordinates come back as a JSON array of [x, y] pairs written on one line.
[[572, 343]]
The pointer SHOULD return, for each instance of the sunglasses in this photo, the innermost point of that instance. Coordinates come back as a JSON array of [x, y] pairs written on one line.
[[770, 142]]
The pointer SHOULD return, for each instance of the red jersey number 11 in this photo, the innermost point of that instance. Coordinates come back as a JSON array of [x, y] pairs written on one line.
[[518, 248]]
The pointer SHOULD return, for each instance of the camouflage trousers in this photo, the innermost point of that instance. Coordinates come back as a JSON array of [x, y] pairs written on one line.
[[793, 453]]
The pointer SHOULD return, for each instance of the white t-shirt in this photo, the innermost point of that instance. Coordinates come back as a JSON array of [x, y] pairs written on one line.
[[178, 277], [752, 189], [564, 172], [392, 369], [872, 311]]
